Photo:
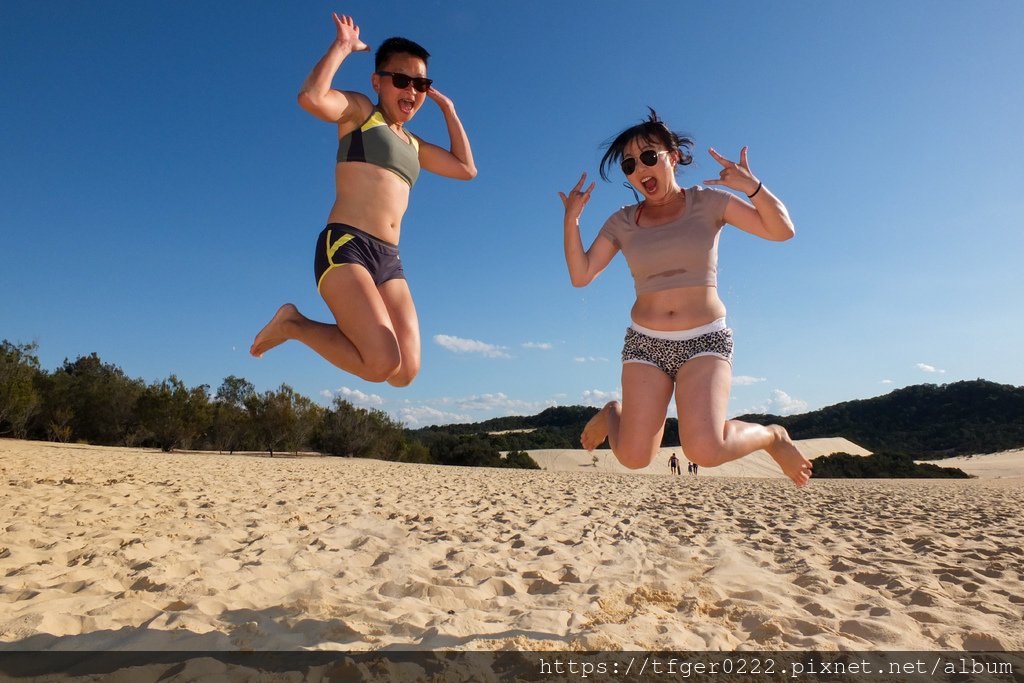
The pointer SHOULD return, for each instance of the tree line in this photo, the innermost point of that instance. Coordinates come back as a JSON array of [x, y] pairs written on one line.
[[927, 421], [931, 421], [90, 401], [880, 466]]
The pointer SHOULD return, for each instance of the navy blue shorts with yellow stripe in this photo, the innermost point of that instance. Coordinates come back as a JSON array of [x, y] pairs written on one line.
[[341, 245]]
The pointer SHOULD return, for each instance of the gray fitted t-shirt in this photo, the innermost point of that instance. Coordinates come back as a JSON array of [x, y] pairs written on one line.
[[680, 253]]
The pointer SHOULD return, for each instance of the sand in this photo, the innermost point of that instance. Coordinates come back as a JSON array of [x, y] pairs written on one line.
[[111, 548], [1005, 465], [757, 464]]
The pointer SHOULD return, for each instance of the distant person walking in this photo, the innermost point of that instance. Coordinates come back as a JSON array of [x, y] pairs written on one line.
[[375, 333], [673, 464], [678, 342]]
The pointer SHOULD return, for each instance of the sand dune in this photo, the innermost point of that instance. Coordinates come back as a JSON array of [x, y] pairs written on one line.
[[758, 464], [130, 549], [1005, 465]]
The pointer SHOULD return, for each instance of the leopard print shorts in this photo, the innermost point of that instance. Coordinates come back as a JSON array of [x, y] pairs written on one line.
[[669, 350]]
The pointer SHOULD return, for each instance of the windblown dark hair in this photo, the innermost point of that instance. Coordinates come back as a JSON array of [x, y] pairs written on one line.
[[652, 130], [396, 45]]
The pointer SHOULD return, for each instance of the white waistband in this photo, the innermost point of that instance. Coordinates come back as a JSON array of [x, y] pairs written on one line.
[[681, 335]]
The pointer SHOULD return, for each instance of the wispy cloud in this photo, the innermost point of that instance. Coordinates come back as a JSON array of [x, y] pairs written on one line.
[[886, 381], [499, 402], [747, 380], [543, 346], [354, 396], [474, 408], [780, 403], [459, 345], [590, 359], [598, 397], [423, 415], [924, 367]]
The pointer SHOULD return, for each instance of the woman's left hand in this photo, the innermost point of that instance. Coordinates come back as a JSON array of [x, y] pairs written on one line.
[[734, 176], [442, 100]]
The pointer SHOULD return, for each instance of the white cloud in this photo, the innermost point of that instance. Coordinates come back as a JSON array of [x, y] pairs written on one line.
[[459, 345], [475, 408], [543, 346], [782, 403], [590, 359], [747, 380], [597, 397], [924, 367], [359, 397], [499, 402], [354, 396], [886, 381], [422, 415]]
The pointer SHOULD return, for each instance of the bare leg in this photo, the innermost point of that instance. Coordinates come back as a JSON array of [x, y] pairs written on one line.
[[702, 397], [275, 332], [362, 341], [398, 300], [633, 427]]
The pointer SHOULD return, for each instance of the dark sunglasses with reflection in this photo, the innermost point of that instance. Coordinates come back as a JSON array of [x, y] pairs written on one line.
[[648, 156], [401, 81]]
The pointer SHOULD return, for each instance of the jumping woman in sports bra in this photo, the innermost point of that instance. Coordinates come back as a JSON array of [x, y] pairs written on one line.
[[375, 334], [678, 341]]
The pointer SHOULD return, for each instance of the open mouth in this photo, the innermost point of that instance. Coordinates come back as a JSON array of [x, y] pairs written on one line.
[[650, 184], [406, 105]]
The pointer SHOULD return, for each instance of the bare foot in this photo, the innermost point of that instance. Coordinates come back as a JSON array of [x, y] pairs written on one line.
[[793, 463], [275, 331], [596, 430]]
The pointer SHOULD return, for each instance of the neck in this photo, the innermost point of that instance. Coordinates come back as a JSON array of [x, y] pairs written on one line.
[[673, 195], [387, 119]]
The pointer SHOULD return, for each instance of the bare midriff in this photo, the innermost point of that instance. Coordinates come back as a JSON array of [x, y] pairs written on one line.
[[683, 308], [370, 198]]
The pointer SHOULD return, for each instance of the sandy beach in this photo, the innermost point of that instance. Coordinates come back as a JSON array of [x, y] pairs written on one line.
[[116, 548]]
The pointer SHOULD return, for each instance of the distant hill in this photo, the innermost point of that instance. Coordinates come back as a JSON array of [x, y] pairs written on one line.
[[928, 421], [557, 427]]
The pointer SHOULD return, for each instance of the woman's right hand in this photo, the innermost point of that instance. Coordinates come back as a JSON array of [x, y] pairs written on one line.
[[348, 33], [577, 199]]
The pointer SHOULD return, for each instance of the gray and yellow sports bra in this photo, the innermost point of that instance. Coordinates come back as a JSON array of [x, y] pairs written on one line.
[[680, 253], [375, 143]]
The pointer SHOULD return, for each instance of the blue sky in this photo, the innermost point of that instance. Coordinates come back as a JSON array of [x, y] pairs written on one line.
[[162, 190]]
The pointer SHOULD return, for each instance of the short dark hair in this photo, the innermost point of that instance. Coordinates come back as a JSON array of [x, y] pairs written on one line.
[[651, 130], [396, 45]]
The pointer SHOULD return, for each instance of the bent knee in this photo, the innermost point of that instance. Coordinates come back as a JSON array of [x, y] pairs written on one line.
[[403, 377], [634, 458], [381, 367], [703, 453]]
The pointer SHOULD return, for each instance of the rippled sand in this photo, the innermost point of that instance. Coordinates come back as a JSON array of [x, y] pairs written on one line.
[[106, 548]]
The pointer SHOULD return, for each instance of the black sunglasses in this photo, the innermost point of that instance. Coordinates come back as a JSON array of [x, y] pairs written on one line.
[[401, 81], [648, 156]]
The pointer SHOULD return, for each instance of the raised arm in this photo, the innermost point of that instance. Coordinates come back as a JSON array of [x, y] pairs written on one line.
[[584, 266], [317, 96], [457, 161], [768, 217]]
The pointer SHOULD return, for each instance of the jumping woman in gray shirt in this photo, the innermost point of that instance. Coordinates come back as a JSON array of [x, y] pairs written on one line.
[[678, 342]]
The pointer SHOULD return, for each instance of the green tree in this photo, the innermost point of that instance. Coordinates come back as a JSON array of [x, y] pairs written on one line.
[[174, 415], [232, 427], [275, 418], [19, 399], [357, 432], [521, 460], [101, 400]]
